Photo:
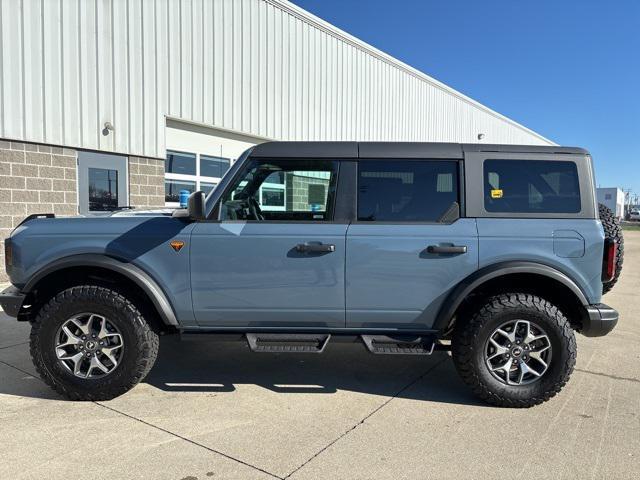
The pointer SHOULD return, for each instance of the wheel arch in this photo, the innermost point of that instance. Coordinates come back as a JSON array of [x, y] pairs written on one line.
[[97, 264], [514, 275]]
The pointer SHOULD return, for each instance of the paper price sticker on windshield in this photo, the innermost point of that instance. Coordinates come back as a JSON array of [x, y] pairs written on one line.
[[496, 193]]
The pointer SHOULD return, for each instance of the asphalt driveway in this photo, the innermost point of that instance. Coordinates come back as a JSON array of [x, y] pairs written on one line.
[[220, 411]]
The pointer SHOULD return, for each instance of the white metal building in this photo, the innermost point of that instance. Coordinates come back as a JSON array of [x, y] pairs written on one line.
[[205, 78], [613, 198]]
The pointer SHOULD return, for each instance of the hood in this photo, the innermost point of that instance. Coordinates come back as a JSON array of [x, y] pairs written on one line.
[[39, 241], [103, 226]]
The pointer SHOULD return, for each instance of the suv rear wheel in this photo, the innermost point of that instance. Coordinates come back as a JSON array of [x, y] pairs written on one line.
[[92, 343], [517, 350]]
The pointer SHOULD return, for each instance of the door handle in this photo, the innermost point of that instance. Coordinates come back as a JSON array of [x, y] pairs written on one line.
[[311, 247], [447, 249]]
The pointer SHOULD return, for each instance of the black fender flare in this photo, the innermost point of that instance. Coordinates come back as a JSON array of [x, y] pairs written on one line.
[[473, 281], [148, 285]]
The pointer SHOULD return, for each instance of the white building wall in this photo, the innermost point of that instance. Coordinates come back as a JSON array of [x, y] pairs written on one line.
[[613, 198], [262, 67]]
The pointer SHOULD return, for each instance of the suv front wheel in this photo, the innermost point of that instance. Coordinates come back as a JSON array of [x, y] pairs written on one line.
[[92, 343], [517, 350]]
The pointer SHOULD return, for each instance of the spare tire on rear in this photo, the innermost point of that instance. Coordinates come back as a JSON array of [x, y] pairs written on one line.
[[612, 230]]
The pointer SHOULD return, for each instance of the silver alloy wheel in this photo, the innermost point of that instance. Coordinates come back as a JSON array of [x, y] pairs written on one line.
[[518, 352], [89, 345]]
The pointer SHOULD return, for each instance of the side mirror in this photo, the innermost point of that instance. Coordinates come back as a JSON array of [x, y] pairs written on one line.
[[195, 206]]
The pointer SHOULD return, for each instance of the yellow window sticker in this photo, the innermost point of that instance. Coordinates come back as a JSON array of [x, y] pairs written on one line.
[[496, 193]]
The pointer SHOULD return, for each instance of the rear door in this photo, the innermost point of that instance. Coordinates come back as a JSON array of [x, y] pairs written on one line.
[[409, 247]]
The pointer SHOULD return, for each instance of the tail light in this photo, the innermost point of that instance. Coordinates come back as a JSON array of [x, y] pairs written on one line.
[[609, 259]]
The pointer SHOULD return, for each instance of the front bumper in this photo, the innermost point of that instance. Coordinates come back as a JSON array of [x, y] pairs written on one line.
[[11, 300], [600, 320]]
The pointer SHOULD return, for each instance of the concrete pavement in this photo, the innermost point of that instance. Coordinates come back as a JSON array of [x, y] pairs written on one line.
[[220, 411]]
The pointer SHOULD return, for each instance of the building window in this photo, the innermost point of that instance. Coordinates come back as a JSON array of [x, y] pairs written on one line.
[[180, 163], [272, 193], [192, 172], [316, 194], [103, 190], [172, 189], [607, 196], [272, 199], [213, 166]]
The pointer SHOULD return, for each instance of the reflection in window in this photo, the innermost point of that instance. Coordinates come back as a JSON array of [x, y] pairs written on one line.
[[282, 190], [276, 177], [103, 189], [272, 197], [316, 196], [172, 189], [531, 186]]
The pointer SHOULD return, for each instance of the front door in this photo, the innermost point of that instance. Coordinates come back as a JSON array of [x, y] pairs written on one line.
[[409, 247], [102, 183], [275, 258]]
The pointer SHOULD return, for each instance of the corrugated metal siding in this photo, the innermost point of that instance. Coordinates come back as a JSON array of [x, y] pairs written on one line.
[[262, 67]]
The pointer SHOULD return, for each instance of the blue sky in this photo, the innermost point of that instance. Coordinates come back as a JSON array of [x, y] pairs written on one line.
[[567, 69]]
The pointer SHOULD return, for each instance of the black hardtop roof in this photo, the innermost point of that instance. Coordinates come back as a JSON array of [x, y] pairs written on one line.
[[395, 149]]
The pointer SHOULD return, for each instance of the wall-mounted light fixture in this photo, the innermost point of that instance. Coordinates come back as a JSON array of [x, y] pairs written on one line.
[[480, 136], [108, 127]]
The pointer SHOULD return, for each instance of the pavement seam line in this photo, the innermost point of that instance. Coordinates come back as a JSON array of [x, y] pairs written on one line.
[[161, 429], [193, 442], [19, 369], [613, 377], [16, 345], [369, 415]]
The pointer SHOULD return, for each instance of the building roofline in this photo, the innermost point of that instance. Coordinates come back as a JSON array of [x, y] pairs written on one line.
[[336, 32]]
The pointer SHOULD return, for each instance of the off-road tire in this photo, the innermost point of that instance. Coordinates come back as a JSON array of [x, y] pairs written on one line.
[[140, 342], [612, 230], [470, 337]]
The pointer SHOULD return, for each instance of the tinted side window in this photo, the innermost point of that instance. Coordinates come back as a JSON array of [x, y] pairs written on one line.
[[406, 190], [282, 190], [531, 186]]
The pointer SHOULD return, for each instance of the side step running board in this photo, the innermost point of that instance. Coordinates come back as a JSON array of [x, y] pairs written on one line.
[[399, 344], [288, 342]]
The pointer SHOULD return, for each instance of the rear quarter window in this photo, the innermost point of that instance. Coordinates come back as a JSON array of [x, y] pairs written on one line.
[[531, 186]]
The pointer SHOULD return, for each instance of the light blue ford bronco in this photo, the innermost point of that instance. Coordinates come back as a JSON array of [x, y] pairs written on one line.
[[497, 253]]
